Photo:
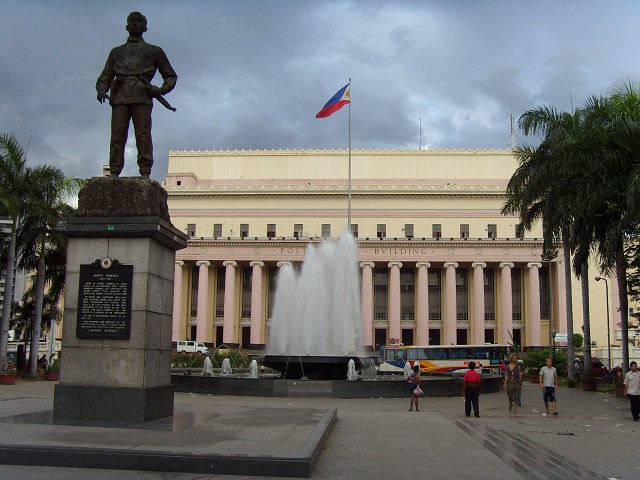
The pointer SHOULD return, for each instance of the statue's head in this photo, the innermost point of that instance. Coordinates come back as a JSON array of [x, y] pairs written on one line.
[[136, 23]]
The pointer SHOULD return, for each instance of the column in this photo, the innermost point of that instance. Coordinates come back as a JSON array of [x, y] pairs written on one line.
[[478, 302], [533, 321], [450, 313], [616, 316], [394, 300], [422, 304], [257, 310], [203, 300], [560, 298], [366, 303], [506, 303], [176, 327], [229, 336]]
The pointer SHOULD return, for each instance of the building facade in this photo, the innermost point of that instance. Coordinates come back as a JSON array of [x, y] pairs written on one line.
[[439, 263]]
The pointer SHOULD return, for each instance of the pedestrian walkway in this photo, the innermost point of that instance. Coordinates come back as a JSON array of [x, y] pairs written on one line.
[[592, 437]]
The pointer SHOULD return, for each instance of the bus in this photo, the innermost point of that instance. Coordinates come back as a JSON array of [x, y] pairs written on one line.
[[43, 349], [442, 358]]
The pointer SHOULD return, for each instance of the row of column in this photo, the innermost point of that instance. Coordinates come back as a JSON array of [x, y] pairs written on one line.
[[450, 318], [422, 303]]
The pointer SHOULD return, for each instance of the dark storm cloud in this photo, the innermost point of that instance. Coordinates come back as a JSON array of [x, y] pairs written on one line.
[[252, 74]]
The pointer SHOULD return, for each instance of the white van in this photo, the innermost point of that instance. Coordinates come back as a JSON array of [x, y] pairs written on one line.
[[189, 346]]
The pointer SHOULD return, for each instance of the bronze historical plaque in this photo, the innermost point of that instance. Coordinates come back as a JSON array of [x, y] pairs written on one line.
[[104, 300]]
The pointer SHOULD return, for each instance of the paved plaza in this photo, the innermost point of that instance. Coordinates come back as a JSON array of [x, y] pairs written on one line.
[[592, 437]]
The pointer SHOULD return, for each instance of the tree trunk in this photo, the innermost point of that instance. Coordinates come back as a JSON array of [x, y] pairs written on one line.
[[584, 279], [621, 274], [569, 301], [8, 296], [37, 321]]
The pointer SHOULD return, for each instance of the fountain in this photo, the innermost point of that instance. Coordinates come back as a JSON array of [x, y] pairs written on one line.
[[253, 369], [351, 371], [226, 367], [316, 327], [316, 335]]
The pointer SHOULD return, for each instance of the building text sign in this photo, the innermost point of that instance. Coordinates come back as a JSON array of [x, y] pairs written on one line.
[[104, 300]]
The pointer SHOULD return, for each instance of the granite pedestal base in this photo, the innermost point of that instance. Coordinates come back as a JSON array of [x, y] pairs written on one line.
[[90, 403], [116, 340]]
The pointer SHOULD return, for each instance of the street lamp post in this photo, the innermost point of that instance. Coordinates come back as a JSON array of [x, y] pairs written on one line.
[[606, 286]]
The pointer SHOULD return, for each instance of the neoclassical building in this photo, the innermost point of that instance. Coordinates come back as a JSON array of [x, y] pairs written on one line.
[[439, 263]]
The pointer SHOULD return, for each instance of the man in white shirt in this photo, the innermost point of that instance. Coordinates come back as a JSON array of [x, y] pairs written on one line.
[[632, 390], [549, 382]]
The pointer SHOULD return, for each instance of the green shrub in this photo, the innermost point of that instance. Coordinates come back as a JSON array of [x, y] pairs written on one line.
[[537, 359], [54, 367], [237, 358], [187, 360]]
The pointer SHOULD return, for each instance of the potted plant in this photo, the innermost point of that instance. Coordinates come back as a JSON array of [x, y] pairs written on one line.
[[8, 373], [618, 380], [53, 371]]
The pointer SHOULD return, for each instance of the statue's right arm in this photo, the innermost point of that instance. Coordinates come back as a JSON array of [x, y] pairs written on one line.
[[105, 79]]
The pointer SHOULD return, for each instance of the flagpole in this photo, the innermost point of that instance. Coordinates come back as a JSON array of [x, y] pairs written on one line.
[[349, 187]]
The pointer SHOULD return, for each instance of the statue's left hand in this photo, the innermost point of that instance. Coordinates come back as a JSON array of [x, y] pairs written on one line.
[[154, 91]]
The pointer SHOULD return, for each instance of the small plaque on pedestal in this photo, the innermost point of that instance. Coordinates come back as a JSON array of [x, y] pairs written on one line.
[[104, 300]]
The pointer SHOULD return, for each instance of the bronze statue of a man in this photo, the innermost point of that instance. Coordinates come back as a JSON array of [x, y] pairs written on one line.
[[127, 76]]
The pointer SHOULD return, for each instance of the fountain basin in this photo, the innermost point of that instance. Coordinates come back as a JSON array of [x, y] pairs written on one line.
[[441, 386], [314, 367]]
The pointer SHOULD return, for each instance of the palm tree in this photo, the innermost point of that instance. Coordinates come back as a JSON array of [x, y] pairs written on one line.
[[13, 192], [540, 190], [39, 238], [615, 183]]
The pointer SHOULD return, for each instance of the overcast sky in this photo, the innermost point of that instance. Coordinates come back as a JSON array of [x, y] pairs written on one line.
[[253, 73]]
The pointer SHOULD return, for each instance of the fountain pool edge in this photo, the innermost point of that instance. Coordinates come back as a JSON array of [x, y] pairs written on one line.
[[275, 387]]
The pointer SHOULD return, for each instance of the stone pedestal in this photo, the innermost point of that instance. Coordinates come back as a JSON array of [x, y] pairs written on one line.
[[120, 380]]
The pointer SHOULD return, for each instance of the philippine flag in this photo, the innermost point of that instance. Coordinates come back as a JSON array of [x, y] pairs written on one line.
[[339, 100]]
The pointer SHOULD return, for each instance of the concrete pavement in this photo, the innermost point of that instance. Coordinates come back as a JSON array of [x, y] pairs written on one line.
[[592, 437]]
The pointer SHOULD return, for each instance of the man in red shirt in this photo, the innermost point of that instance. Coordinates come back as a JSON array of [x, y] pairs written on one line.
[[471, 390]]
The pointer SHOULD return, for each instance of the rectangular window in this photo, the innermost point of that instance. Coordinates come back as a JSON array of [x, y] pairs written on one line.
[[244, 230], [217, 230], [381, 230], [407, 294], [516, 291], [297, 229], [247, 276], [195, 272], [191, 229], [272, 278], [545, 293], [354, 230], [408, 230], [436, 230], [326, 230], [435, 295], [519, 230], [380, 293], [464, 230], [221, 273], [271, 230], [492, 230], [462, 295], [489, 295]]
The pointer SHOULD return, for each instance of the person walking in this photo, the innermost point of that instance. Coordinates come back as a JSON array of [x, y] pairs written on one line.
[[471, 390], [414, 382], [513, 382], [632, 390], [548, 379]]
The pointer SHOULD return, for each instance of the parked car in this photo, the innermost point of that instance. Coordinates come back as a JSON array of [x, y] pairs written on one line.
[[189, 346]]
